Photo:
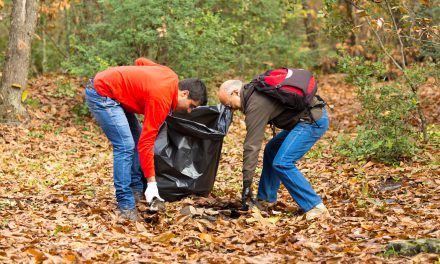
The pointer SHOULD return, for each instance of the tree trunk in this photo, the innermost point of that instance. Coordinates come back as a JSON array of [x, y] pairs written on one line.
[[351, 19], [309, 24], [44, 46], [67, 26], [16, 68]]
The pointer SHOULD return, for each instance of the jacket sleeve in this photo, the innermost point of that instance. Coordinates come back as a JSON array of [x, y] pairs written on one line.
[[156, 110], [256, 120], [144, 62]]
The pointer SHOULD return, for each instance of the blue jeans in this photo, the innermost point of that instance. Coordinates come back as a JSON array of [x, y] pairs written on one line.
[[280, 155], [123, 130]]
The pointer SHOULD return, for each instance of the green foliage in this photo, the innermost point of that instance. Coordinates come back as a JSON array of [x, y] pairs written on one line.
[[86, 60], [391, 252], [88, 190], [46, 127], [195, 38], [58, 131], [434, 134], [418, 73], [335, 23], [385, 135], [180, 34], [428, 47], [4, 30], [36, 134], [34, 103], [316, 152], [4, 203], [81, 110], [65, 88]]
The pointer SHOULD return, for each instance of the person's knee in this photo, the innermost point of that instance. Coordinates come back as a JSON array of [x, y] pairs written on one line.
[[279, 166], [126, 147], [269, 151], [282, 166]]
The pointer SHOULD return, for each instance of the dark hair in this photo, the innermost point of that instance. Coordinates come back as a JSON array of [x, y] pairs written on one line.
[[196, 88]]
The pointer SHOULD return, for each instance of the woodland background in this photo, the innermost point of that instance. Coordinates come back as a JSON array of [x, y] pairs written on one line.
[[377, 168]]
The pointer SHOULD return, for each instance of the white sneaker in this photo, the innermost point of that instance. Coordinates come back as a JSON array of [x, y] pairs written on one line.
[[319, 211]]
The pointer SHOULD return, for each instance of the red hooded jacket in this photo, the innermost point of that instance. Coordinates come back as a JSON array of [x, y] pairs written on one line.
[[147, 88]]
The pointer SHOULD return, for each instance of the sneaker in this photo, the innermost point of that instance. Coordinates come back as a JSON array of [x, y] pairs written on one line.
[[264, 205], [319, 211], [128, 214]]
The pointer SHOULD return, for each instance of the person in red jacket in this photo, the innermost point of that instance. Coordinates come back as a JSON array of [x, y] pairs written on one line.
[[114, 96]]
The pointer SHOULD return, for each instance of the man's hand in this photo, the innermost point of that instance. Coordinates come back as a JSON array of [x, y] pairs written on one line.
[[151, 192], [246, 195]]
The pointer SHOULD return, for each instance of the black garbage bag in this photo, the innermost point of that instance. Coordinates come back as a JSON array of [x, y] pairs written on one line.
[[187, 151]]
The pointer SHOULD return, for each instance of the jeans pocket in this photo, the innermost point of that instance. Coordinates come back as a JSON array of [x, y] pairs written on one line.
[[90, 85], [108, 102]]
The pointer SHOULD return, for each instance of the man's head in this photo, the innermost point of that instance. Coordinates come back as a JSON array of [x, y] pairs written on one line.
[[229, 93], [192, 93]]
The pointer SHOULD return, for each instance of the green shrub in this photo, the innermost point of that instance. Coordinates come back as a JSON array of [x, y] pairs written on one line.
[[34, 103], [201, 39], [36, 134], [65, 88], [81, 110], [386, 133], [86, 61]]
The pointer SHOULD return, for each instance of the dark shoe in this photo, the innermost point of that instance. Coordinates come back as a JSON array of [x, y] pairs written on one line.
[[128, 214], [139, 197]]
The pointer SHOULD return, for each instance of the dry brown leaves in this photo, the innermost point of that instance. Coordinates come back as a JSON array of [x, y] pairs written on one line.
[[57, 199]]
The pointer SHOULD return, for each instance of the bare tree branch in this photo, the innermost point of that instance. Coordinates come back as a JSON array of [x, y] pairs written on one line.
[[383, 47], [405, 75], [402, 47]]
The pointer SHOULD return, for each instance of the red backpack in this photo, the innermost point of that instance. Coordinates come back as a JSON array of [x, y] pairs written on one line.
[[294, 88]]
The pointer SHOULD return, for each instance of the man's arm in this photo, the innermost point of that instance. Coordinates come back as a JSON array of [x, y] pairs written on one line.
[[155, 113], [258, 115]]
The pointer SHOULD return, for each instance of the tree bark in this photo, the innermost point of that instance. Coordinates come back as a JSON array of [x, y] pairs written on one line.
[[67, 26], [16, 67], [309, 24], [352, 20]]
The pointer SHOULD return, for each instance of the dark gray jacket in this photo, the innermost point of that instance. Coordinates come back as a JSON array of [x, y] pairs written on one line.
[[260, 109]]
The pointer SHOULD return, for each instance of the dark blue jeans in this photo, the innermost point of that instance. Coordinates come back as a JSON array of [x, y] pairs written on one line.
[[280, 155], [123, 130]]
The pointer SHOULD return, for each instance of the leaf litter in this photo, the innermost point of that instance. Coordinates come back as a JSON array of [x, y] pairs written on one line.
[[57, 200]]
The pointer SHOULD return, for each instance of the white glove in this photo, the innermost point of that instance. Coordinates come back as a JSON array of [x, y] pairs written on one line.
[[152, 192]]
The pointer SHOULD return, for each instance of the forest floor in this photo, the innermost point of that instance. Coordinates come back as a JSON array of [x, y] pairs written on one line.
[[57, 201]]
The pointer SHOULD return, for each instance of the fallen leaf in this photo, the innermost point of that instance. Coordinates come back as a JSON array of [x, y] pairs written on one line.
[[38, 255], [205, 237], [165, 237], [16, 86], [273, 219], [24, 95]]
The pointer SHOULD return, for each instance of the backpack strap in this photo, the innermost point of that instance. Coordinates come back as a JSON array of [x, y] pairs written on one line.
[[251, 88], [272, 126], [321, 103]]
